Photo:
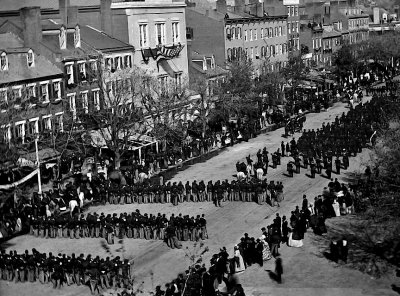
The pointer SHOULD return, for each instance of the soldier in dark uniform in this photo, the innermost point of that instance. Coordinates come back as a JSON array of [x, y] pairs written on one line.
[[337, 165], [329, 169], [297, 164], [290, 169], [312, 169], [283, 148]]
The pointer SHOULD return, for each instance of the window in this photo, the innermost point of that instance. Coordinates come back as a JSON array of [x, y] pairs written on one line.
[[46, 120], [313, 44], [251, 53], [175, 32], [143, 39], [33, 127], [128, 61], [84, 98], [276, 32], [72, 103], [251, 35], [297, 27], [63, 38], [7, 133], [57, 90], [70, 73], [77, 37], [262, 33], [93, 69], [271, 32], [82, 71], [118, 63], [108, 63], [17, 92], [229, 54], [44, 92], [30, 58], [20, 130], [31, 90], [160, 34], [280, 31], [239, 33], [3, 62], [3, 96], [257, 56], [255, 34], [58, 122], [296, 10], [96, 99], [245, 35], [178, 80]]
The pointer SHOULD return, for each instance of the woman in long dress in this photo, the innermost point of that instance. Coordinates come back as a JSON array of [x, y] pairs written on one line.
[[239, 262], [297, 243], [266, 255], [336, 207]]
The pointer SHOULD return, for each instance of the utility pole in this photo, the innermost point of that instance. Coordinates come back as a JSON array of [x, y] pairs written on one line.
[[38, 166]]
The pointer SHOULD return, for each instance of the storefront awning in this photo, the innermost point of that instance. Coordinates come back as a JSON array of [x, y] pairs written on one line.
[[134, 141], [169, 67]]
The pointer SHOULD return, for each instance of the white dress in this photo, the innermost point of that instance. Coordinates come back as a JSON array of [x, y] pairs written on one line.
[[294, 243], [239, 262], [336, 208]]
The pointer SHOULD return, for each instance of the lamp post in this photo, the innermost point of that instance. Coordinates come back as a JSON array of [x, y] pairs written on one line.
[[38, 165]]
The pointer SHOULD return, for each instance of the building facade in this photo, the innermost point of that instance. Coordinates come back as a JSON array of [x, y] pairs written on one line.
[[293, 25], [30, 92]]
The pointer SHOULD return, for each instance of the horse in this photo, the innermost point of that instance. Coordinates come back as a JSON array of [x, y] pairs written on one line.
[[240, 176]]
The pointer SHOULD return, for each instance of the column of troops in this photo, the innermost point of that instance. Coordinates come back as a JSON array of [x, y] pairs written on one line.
[[244, 190], [331, 146], [62, 269], [134, 225]]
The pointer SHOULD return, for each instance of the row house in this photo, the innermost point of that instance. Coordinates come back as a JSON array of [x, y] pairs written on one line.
[[331, 42], [262, 38], [155, 29], [79, 52], [30, 92], [311, 35], [293, 24]]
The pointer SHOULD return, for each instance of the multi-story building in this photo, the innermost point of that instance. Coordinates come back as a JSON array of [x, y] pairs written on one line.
[[30, 91], [155, 28], [311, 40], [77, 50], [356, 22], [232, 35], [331, 42], [293, 25]]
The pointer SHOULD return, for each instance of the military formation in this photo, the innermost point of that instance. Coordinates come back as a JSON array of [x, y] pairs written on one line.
[[62, 269], [133, 225], [243, 190]]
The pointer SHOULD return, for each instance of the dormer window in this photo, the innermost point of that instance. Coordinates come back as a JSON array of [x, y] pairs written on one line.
[[3, 62], [31, 58], [63, 38], [77, 37]]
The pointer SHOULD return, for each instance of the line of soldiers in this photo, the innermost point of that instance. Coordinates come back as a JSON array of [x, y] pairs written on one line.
[[196, 191], [62, 269], [332, 145], [134, 225]]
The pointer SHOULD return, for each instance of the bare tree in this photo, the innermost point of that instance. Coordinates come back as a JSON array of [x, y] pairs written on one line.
[[115, 119], [165, 106]]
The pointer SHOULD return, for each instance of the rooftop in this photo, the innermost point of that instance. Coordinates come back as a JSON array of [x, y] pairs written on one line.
[[18, 69]]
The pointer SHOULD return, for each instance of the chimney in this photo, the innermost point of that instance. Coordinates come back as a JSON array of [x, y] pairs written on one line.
[[221, 6], [72, 16], [32, 26], [63, 8], [105, 16]]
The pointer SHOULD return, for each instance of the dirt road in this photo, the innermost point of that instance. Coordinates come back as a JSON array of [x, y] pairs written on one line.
[[306, 272]]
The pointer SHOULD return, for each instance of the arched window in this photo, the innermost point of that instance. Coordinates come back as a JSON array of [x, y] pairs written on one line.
[[234, 53], [262, 51], [272, 50], [239, 33], [267, 51]]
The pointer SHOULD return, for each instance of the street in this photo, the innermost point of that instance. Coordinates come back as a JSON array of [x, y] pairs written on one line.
[[306, 271]]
